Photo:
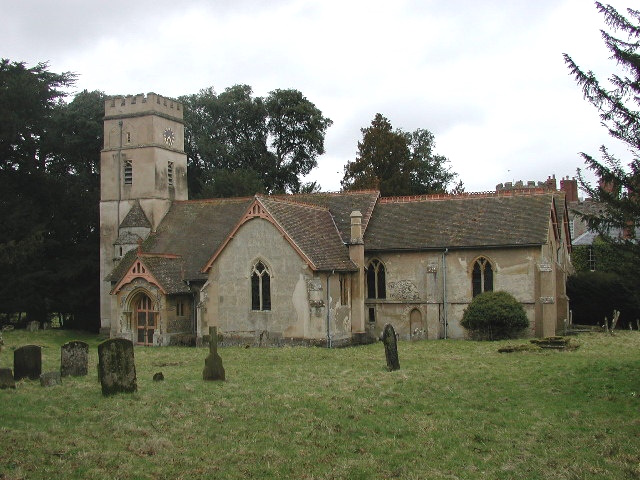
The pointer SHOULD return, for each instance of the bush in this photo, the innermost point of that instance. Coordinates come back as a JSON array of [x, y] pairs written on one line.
[[494, 316], [594, 295]]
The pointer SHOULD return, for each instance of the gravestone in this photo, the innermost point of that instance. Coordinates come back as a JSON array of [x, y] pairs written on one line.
[[213, 369], [391, 347], [116, 366], [6, 379], [27, 362], [49, 379], [158, 377], [74, 359], [33, 326]]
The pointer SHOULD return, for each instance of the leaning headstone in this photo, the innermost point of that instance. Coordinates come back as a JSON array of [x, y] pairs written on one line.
[[213, 369], [27, 362], [116, 366], [33, 326], [74, 358], [49, 379], [6, 379], [391, 347]]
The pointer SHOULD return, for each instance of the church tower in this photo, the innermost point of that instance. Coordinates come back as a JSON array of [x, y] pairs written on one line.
[[143, 168]]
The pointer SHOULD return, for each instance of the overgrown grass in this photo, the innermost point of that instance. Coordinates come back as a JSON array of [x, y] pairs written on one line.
[[455, 409]]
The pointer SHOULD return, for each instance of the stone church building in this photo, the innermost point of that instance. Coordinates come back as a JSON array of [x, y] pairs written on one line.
[[326, 268]]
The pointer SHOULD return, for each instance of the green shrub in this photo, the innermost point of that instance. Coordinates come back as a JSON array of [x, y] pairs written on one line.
[[493, 316]]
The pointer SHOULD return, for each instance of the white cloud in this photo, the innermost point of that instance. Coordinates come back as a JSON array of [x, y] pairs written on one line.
[[487, 78]]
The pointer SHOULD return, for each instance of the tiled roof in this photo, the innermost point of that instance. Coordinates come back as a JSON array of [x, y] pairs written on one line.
[[135, 217], [194, 229], [313, 231], [464, 221], [319, 226], [340, 205], [168, 271], [127, 238]]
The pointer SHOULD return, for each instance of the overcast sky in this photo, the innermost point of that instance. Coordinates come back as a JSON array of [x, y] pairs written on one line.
[[486, 77]]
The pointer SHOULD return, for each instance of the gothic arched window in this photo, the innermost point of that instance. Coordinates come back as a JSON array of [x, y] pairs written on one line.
[[376, 287], [482, 276], [260, 287]]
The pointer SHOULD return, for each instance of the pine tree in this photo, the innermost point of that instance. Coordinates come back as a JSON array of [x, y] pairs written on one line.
[[618, 105]]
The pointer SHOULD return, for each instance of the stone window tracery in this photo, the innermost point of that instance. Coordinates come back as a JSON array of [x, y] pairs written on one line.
[[376, 280], [482, 276], [260, 287]]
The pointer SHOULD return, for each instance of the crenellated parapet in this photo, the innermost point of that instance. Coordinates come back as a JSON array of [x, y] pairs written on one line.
[[141, 104]]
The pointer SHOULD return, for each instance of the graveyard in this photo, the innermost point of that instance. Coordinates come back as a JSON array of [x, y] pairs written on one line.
[[452, 410]]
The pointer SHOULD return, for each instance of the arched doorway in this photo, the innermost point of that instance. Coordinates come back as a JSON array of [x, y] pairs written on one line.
[[416, 328], [146, 318]]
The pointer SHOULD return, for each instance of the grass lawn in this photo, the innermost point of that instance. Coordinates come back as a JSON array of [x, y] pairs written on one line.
[[455, 409]]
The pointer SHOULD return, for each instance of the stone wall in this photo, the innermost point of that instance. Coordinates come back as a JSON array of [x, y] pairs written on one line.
[[299, 300], [414, 303]]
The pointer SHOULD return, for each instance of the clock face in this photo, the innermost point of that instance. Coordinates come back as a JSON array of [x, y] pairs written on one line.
[[169, 137]]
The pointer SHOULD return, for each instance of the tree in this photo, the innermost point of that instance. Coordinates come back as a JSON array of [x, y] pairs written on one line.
[[618, 189], [250, 140], [617, 104], [397, 162], [49, 153]]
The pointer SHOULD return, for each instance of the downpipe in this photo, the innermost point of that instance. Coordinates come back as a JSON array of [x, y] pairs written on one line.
[[444, 292]]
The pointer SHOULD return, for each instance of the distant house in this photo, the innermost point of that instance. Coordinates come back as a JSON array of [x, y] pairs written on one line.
[[326, 268]]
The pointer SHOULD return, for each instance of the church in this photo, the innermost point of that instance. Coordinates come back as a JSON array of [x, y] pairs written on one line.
[[326, 269]]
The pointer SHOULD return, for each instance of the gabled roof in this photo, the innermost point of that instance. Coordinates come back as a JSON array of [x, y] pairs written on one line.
[[313, 230], [461, 221], [193, 232], [194, 229], [164, 271], [135, 217], [309, 229], [340, 205]]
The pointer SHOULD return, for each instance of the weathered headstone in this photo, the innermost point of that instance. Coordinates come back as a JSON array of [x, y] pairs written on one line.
[[74, 358], [158, 377], [6, 379], [391, 347], [27, 362], [49, 379], [213, 369], [33, 326], [116, 366]]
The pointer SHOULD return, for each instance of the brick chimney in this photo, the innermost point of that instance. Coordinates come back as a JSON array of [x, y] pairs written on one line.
[[570, 188]]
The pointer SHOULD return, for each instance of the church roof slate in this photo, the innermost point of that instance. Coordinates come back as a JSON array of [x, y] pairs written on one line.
[[340, 205], [169, 272], [465, 221], [319, 225], [313, 230], [194, 229], [135, 217]]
